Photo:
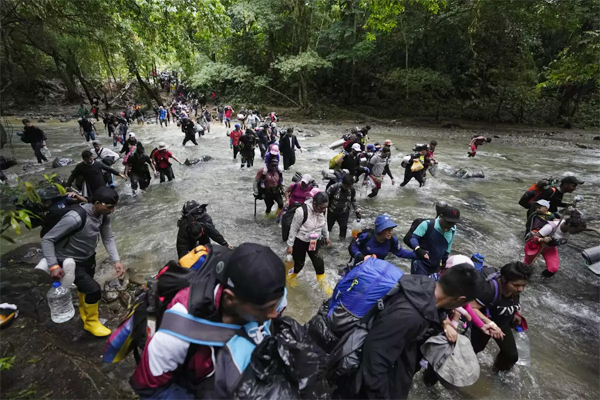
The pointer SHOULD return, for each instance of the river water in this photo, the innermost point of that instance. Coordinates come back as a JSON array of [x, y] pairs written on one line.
[[563, 314]]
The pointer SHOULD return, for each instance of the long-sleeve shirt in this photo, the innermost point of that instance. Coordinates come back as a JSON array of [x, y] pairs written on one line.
[[92, 174], [34, 134], [341, 199], [81, 245], [367, 244], [314, 223]]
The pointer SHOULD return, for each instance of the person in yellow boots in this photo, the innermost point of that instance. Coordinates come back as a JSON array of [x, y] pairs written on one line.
[[309, 226], [81, 225]]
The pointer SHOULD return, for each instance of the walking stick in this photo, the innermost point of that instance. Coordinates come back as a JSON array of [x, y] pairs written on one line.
[[255, 206], [576, 200]]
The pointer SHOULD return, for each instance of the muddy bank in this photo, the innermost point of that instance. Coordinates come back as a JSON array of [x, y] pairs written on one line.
[[53, 360]]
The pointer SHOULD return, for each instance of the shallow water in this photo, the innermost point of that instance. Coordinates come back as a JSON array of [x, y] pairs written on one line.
[[563, 314]]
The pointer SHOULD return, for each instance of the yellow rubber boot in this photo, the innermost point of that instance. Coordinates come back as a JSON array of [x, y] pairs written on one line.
[[81, 308], [92, 323], [291, 280], [324, 285]]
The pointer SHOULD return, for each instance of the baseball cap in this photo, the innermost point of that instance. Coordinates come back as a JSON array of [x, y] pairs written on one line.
[[543, 203], [96, 142], [356, 147], [383, 222], [274, 149], [571, 179], [458, 259], [131, 134], [306, 178], [255, 274], [451, 214], [105, 195], [387, 142]]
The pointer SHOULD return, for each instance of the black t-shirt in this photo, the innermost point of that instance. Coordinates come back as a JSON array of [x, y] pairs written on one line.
[[86, 125], [138, 164], [34, 134], [503, 308]]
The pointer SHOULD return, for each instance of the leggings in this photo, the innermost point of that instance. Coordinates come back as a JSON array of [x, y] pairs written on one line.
[[508, 355], [37, 150], [272, 198], [299, 252], [136, 179], [341, 219], [84, 280], [408, 175]]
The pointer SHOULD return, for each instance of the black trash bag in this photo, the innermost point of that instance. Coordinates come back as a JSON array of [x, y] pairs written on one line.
[[319, 330], [286, 365]]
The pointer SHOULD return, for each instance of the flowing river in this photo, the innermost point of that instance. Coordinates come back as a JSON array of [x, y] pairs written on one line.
[[563, 314]]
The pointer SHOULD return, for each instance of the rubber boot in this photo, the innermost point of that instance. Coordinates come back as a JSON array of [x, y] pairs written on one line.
[[92, 323], [81, 307], [324, 285], [291, 280]]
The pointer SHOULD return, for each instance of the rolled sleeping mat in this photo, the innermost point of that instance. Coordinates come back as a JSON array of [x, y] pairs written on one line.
[[591, 255], [336, 144]]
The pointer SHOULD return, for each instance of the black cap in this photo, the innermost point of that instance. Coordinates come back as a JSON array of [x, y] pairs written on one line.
[[105, 195], [451, 214], [255, 274], [571, 179]]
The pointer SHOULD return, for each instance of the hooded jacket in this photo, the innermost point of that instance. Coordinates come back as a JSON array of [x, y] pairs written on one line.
[[196, 229], [314, 223], [391, 351]]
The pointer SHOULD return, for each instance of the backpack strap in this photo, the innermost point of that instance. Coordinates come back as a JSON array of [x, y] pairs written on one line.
[[305, 210], [494, 281], [430, 227], [197, 330]]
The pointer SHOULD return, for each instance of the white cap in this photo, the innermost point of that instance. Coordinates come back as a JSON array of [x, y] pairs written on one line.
[[458, 259], [274, 149], [356, 147], [543, 203], [131, 134], [162, 146], [306, 178]]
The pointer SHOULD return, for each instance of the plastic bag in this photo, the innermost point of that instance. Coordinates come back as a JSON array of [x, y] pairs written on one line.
[[319, 330], [45, 152], [356, 228], [417, 166], [285, 365]]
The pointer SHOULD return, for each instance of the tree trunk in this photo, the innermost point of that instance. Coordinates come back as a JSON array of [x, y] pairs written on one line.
[[303, 92], [498, 109], [72, 93], [148, 89]]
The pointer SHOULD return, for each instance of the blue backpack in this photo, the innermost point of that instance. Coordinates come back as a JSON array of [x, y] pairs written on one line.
[[358, 291]]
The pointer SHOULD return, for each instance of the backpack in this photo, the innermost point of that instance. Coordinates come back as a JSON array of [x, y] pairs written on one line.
[[414, 226], [335, 161], [55, 216], [490, 275], [358, 291], [149, 310], [533, 193], [288, 217], [194, 227]]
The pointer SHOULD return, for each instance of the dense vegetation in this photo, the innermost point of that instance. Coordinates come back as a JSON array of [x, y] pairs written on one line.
[[532, 61]]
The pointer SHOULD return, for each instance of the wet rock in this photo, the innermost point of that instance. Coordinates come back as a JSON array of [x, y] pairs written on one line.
[[451, 125], [62, 162], [496, 137], [583, 146], [192, 161], [30, 253], [596, 138], [41, 120], [549, 134], [465, 173]]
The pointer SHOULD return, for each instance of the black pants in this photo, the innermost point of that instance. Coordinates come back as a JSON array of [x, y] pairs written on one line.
[[299, 252], [263, 149], [289, 159], [272, 198], [166, 172], [408, 175], [37, 150], [236, 150], [248, 158], [508, 355], [84, 280], [138, 179], [190, 139], [341, 219]]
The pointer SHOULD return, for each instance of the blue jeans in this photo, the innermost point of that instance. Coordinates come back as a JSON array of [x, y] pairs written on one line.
[[89, 135]]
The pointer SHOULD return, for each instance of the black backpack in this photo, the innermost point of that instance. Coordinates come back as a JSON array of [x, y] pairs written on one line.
[[286, 220], [414, 226], [53, 217]]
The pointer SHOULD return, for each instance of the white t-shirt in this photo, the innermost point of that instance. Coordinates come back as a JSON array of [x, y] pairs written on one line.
[[560, 236]]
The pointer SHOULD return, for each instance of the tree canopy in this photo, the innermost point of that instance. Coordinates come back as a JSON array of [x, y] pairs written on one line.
[[533, 61]]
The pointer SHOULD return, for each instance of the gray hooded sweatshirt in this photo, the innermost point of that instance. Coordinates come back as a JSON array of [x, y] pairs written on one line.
[[57, 245]]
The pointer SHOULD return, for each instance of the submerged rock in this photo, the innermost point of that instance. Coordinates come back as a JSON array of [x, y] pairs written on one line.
[[62, 162], [192, 161], [465, 173]]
